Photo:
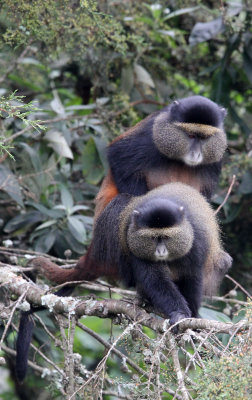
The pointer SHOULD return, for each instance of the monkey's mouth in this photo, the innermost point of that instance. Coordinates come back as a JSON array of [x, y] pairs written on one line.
[[161, 257], [193, 159]]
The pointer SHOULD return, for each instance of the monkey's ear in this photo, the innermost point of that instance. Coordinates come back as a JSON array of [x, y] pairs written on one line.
[[223, 111], [135, 216], [174, 105]]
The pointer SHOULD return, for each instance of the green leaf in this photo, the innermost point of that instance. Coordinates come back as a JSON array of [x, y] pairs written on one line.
[[101, 147], [247, 56], [33, 154], [246, 183], [59, 144], [45, 242], [143, 76], [46, 224], [23, 220], [25, 83], [92, 166], [74, 209], [127, 79], [213, 315], [57, 105], [182, 11], [73, 244], [77, 229], [10, 185], [66, 197], [54, 214]]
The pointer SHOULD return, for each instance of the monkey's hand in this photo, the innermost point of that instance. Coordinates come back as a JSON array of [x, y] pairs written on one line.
[[215, 271], [223, 263], [177, 316]]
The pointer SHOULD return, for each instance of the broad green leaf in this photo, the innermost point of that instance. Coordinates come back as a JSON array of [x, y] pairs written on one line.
[[127, 79], [46, 224], [59, 144], [73, 244], [246, 183], [74, 209], [66, 197], [57, 105], [182, 11], [92, 166], [33, 154], [247, 56], [54, 214], [101, 101], [29, 60], [77, 229], [85, 219], [23, 220], [45, 242], [10, 185], [143, 76], [167, 33], [101, 147], [25, 83], [213, 315]]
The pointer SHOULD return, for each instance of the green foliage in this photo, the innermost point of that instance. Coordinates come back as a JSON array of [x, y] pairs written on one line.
[[59, 26], [59, 228], [230, 376], [13, 106]]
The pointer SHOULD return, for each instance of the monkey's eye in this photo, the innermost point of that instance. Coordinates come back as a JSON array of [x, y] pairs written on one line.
[[192, 136]]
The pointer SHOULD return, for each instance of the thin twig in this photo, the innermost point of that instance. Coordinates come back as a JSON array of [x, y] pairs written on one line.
[[114, 349], [239, 285], [11, 316], [19, 252], [179, 373], [226, 300], [227, 195]]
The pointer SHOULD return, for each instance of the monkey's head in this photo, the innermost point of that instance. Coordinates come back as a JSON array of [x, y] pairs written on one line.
[[191, 130], [159, 230]]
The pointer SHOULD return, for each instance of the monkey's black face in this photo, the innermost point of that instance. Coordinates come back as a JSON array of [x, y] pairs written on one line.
[[159, 231], [191, 143], [191, 131]]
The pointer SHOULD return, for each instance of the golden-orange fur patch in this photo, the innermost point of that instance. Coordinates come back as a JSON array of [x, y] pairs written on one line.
[[106, 193], [202, 130], [178, 173]]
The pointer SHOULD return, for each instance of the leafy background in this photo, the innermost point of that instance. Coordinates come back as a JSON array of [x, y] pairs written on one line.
[[75, 74]]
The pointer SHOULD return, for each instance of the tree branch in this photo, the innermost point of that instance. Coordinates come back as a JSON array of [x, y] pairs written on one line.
[[106, 308]]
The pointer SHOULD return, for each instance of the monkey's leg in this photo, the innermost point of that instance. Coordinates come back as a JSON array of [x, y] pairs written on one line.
[[160, 291], [191, 289]]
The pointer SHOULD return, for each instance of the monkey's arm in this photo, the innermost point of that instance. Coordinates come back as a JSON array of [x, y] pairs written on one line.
[[160, 291], [191, 289]]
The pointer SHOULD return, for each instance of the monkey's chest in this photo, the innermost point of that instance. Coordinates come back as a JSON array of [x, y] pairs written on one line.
[[178, 173]]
